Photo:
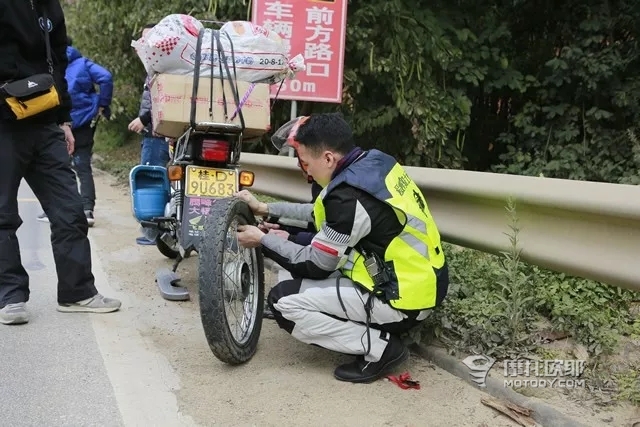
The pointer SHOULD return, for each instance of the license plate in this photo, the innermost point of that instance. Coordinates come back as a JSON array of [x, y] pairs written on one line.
[[208, 182]]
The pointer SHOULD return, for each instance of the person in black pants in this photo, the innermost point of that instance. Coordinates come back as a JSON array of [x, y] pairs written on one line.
[[37, 149]]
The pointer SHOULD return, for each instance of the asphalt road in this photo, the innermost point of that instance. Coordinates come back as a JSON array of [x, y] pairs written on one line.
[[58, 369]]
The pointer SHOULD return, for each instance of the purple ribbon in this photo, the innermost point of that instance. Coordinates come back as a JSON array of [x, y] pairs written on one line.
[[243, 100]]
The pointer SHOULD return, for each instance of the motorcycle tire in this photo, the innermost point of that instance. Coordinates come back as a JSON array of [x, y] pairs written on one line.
[[213, 288], [165, 249]]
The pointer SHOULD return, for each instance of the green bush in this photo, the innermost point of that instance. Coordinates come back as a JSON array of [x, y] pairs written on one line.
[[594, 313]]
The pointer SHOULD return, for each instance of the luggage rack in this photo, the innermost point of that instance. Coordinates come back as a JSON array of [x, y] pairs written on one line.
[[208, 127], [225, 76]]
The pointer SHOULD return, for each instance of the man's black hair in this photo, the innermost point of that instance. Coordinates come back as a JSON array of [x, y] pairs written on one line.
[[69, 41], [327, 131]]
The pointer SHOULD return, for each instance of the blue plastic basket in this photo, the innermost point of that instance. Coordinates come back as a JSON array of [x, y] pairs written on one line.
[[150, 191]]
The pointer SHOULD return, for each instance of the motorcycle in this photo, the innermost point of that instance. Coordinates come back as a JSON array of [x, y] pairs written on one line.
[[201, 215]]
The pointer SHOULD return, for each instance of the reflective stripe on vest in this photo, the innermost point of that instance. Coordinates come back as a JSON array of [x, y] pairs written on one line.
[[416, 251]]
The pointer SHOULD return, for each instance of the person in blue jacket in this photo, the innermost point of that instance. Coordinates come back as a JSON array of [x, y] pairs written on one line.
[[87, 105]]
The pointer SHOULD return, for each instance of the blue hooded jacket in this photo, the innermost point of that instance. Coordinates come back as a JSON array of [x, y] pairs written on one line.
[[82, 75]]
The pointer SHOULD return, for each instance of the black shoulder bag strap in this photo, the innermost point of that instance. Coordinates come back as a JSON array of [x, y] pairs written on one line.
[[47, 42]]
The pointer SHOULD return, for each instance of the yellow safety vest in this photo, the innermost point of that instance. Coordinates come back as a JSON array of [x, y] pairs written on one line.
[[416, 254]]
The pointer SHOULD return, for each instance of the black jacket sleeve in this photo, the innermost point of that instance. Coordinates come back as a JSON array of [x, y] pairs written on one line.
[[58, 40], [145, 106], [303, 238]]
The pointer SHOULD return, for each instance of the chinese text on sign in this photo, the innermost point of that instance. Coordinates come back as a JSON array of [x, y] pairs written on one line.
[[316, 29]]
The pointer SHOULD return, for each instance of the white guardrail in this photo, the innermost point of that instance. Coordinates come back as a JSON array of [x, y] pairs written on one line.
[[586, 229]]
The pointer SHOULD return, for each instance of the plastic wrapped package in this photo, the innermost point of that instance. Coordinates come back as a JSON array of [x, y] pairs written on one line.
[[259, 54]]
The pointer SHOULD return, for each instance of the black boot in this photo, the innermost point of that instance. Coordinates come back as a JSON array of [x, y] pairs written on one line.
[[267, 313], [361, 371]]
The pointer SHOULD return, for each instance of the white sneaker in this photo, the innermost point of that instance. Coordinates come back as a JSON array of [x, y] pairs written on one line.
[[96, 304], [14, 314]]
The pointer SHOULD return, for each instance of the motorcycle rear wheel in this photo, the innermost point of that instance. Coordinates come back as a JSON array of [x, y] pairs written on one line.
[[230, 274]]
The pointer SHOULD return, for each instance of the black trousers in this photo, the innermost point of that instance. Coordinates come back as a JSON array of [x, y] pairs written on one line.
[[38, 153], [82, 164]]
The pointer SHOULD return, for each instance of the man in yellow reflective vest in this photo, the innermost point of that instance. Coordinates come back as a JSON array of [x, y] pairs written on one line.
[[375, 267]]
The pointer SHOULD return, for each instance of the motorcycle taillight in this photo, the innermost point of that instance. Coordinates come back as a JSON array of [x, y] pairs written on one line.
[[215, 150]]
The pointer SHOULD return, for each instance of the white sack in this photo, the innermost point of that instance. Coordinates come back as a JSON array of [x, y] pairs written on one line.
[[260, 55]]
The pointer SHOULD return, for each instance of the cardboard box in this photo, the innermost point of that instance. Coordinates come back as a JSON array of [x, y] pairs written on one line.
[[171, 104]]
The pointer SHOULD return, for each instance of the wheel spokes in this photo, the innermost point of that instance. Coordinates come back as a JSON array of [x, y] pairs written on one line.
[[239, 282]]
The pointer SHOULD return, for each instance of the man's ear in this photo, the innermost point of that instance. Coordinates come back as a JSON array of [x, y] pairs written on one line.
[[329, 158]]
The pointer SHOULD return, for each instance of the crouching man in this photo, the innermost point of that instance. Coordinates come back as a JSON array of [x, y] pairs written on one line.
[[375, 267]]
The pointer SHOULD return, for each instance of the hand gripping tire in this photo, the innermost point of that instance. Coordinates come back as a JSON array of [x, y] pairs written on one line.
[[222, 280]]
